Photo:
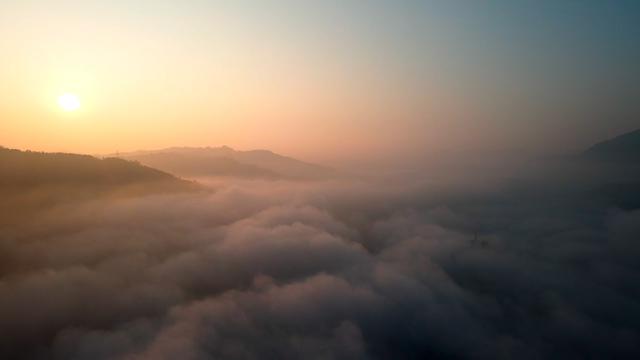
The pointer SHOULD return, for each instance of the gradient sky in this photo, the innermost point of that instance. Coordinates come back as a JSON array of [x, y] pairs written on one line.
[[319, 79]]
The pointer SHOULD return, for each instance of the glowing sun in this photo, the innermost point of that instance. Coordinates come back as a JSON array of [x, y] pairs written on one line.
[[69, 102]]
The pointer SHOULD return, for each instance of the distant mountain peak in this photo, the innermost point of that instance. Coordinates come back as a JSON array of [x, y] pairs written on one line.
[[625, 147], [225, 161], [225, 148]]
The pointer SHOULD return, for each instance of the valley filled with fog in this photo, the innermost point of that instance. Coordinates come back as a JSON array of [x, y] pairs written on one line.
[[521, 266]]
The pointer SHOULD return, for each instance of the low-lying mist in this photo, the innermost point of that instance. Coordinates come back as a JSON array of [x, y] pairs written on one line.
[[344, 269]]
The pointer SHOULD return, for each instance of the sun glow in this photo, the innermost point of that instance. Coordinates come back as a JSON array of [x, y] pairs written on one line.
[[69, 102]]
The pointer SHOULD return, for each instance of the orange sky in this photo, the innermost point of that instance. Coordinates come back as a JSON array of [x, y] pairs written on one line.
[[144, 87], [321, 82]]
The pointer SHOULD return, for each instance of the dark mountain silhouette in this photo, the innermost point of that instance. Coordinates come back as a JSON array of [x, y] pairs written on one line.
[[225, 161], [33, 181], [27, 169], [608, 172], [625, 147], [617, 162]]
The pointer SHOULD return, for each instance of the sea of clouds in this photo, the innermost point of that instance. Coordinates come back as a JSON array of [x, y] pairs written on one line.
[[329, 270]]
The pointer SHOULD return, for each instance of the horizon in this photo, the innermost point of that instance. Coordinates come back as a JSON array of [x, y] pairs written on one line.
[[455, 155]]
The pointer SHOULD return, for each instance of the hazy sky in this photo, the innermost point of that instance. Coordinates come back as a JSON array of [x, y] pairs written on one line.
[[318, 79]]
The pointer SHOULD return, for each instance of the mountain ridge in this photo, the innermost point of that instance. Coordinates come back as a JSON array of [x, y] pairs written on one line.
[[226, 161], [624, 147], [33, 182], [26, 169]]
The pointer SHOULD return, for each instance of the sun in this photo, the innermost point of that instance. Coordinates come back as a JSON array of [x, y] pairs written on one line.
[[69, 102]]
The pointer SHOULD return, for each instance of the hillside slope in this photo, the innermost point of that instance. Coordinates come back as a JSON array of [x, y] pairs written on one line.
[[29, 169], [625, 147], [34, 181]]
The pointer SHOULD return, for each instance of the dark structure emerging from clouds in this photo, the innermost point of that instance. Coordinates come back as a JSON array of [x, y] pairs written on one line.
[[527, 269]]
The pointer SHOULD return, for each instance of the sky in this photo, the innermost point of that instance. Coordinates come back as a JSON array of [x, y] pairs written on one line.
[[319, 80]]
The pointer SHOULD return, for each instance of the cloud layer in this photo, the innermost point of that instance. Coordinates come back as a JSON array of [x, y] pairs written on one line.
[[322, 271]]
